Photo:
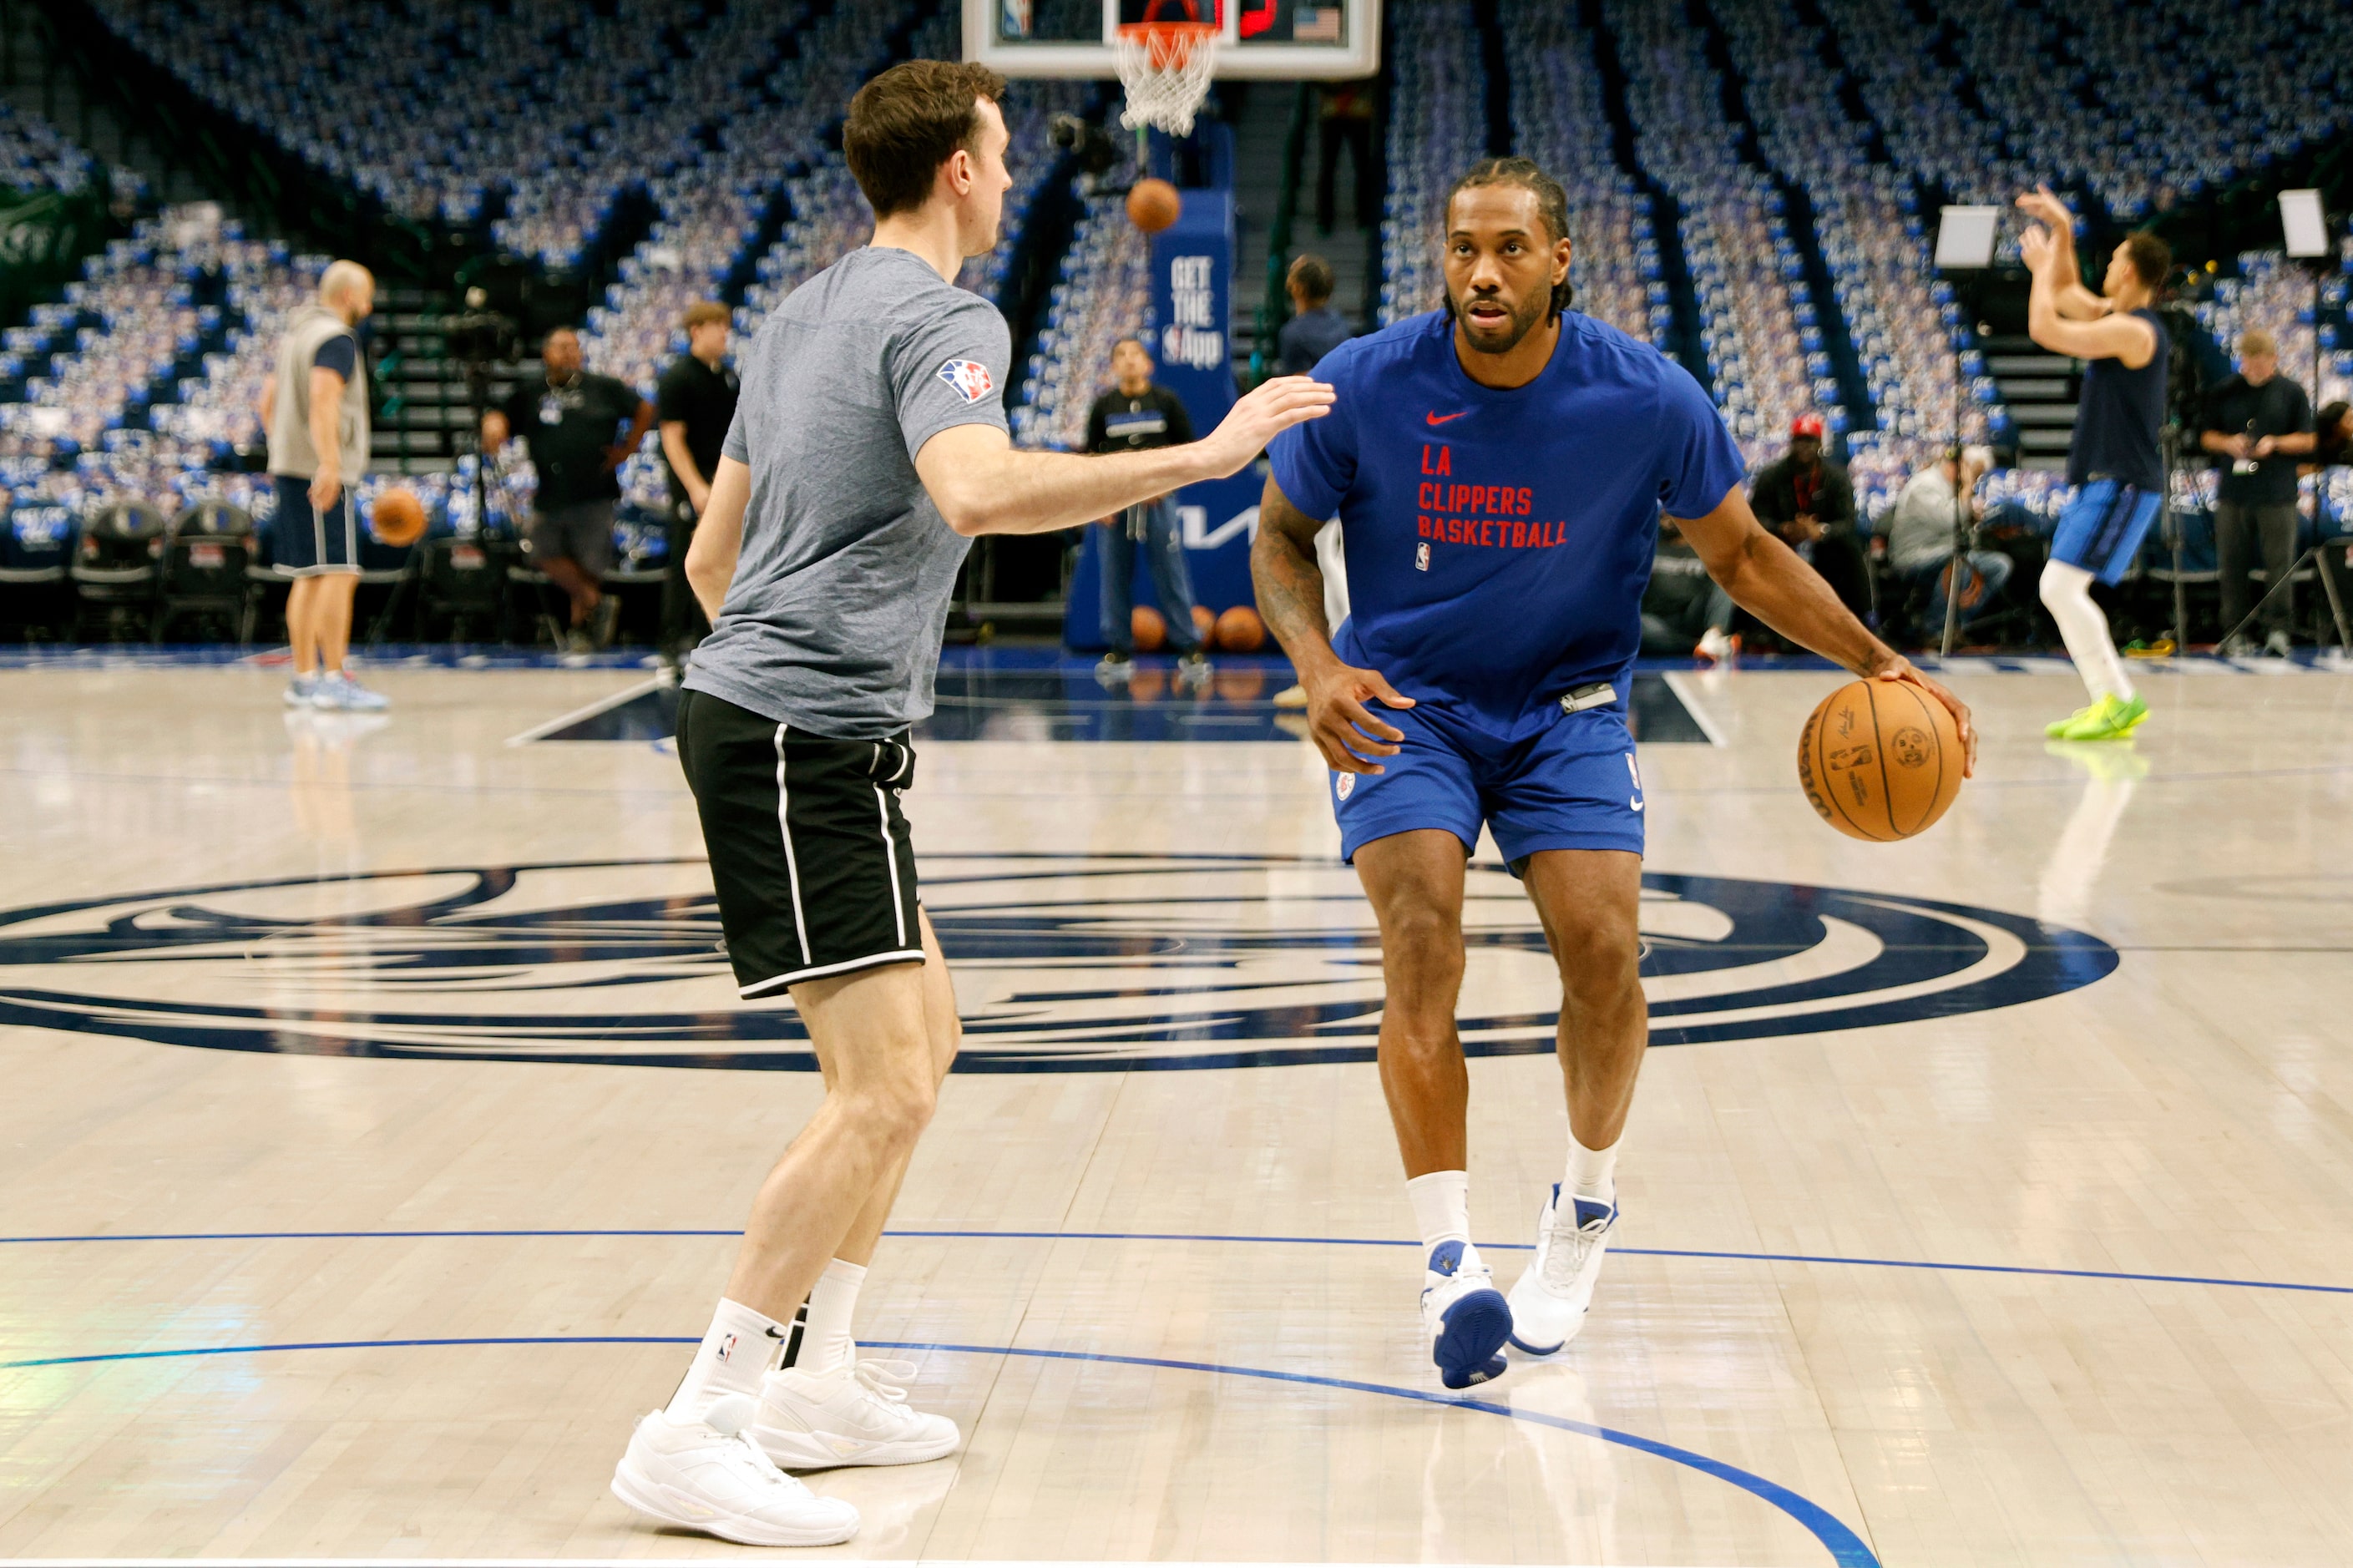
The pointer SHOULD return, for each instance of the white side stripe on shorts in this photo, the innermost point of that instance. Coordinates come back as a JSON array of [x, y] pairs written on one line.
[[792, 867], [890, 861]]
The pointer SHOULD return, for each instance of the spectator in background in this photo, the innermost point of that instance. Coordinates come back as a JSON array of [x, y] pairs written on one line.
[[571, 420], [695, 403], [2332, 439], [1136, 416], [1920, 535], [1344, 117], [314, 413], [1315, 329], [1684, 611], [2260, 423], [1808, 500]]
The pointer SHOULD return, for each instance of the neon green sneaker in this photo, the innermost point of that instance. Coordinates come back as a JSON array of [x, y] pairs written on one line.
[[2109, 719], [2058, 728]]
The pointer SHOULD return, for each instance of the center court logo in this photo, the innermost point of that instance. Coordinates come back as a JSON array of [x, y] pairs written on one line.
[[1063, 963]]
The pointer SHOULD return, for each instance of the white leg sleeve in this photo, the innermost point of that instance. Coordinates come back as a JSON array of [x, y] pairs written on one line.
[[2067, 594]]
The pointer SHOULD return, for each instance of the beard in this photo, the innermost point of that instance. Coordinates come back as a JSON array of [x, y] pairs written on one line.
[[1518, 322]]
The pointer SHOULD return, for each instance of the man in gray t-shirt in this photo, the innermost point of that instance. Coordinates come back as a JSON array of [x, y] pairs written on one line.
[[832, 624], [869, 448]]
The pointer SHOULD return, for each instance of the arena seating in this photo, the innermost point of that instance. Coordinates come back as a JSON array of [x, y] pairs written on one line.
[[35, 156], [1104, 291], [1438, 128], [1559, 119], [1758, 324]]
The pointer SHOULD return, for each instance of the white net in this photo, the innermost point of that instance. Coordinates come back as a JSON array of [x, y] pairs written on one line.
[[1166, 68]]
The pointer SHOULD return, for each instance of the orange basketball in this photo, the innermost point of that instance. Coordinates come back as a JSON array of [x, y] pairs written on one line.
[[397, 518], [1205, 625], [1153, 205], [1150, 630], [1240, 631], [1880, 760]]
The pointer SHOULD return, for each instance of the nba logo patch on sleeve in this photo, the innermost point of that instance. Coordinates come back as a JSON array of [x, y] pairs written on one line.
[[969, 377]]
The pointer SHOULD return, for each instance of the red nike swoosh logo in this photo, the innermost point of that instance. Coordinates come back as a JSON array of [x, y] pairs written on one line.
[[1437, 419]]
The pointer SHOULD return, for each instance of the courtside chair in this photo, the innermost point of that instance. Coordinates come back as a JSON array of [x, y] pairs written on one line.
[[203, 568], [114, 568]]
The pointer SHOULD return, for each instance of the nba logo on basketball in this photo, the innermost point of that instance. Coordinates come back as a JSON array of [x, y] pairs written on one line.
[[969, 377], [1421, 556]]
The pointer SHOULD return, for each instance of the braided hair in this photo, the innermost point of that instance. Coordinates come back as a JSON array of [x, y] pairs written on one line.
[[1552, 205]]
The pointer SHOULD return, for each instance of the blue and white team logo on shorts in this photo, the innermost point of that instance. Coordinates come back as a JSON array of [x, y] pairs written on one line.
[[969, 377]]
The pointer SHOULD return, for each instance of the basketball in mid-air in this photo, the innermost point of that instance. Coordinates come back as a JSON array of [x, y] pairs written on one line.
[[1240, 631], [1150, 630], [398, 517], [1880, 760], [1153, 205]]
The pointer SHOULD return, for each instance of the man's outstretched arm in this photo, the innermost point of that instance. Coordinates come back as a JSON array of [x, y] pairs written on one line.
[[982, 485], [1765, 578], [1290, 587]]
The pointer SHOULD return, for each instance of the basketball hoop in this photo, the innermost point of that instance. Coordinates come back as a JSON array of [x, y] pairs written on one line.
[[1166, 67]]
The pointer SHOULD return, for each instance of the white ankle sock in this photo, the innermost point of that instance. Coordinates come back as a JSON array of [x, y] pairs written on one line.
[[739, 1347], [1590, 1171], [1442, 1206], [827, 1343]]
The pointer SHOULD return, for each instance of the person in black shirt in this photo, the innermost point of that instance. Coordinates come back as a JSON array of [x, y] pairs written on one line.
[[1135, 417], [695, 404], [2332, 439], [1315, 329], [571, 422], [2258, 423], [1808, 500]]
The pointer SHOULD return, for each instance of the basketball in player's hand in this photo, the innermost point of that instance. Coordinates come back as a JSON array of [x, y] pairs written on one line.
[[1240, 631], [1150, 630], [1153, 205], [1880, 760], [398, 517]]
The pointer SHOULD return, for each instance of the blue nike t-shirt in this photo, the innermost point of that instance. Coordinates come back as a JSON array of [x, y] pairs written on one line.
[[1498, 541]]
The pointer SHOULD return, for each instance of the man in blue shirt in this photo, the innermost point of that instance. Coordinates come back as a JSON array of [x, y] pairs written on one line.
[[1499, 467]]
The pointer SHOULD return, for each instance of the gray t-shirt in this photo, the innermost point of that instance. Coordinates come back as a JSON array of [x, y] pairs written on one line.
[[833, 622]]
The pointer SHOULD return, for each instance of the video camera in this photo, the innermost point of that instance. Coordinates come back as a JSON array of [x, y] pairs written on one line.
[[1094, 149], [482, 336]]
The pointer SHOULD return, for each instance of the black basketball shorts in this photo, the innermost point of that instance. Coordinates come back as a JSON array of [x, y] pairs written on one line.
[[809, 853]]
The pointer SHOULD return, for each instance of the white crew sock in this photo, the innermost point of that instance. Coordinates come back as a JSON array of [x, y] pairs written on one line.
[[1442, 1207], [1592, 1172], [826, 1345], [739, 1347], [2067, 594]]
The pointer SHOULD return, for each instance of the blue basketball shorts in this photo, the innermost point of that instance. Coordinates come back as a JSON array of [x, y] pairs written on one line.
[[1572, 785], [305, 544], [2102, 528]]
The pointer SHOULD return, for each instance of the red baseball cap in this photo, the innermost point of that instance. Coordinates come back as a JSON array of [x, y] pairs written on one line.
[[1807, 425]]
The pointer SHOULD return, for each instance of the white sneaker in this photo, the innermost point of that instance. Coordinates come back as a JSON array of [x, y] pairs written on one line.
[[301, 691], [1716, 647], [855, 1415], [1291, 697], [709, 1475], [2278, 645], [1464, 1315], [339, 693], [1548, 1302]]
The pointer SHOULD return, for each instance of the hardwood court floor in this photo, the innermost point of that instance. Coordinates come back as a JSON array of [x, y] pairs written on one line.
[[1989, 1197]]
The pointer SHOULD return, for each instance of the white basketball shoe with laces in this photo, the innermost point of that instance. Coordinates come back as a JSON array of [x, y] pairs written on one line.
[[856, 1414], [1549, 1301], [1464, 1315], [711, 1476]]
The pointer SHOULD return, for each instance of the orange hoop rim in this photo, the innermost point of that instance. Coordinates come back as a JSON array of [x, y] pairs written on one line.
[[1169, 43]]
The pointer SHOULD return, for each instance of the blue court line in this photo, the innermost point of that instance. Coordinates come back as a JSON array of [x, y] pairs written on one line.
[[1846, 1548], [1927, 1265]]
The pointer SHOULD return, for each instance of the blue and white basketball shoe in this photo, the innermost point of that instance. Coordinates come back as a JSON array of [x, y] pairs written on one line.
[[1549, 1300], [1466, 1316]]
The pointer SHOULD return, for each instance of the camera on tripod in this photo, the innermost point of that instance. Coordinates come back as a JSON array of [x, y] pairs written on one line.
[[480, 336]]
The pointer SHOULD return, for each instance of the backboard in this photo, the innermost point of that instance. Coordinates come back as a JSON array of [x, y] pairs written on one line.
[[1281, 40]]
